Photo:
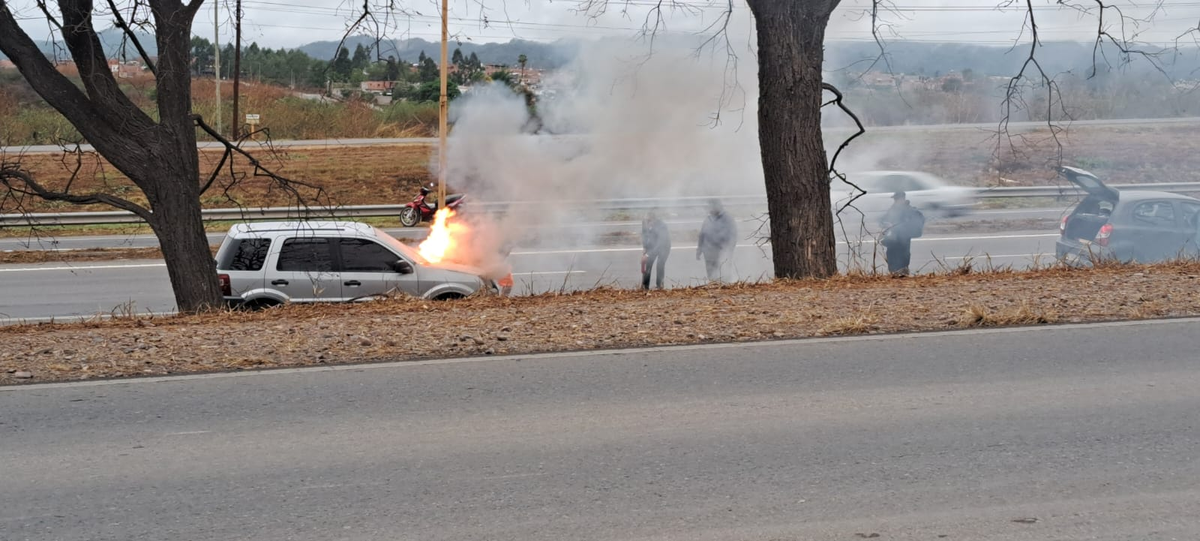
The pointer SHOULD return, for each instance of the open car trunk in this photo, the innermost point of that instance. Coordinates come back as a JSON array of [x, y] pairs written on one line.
[[1094, 211], [1088, 217]]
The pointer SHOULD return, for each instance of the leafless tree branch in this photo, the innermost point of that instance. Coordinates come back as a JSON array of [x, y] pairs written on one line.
[[16, 180], [130, 35]]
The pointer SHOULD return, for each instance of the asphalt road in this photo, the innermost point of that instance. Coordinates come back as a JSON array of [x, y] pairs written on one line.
[[588, 229], [39, 291], [1013, 127], [1067, 433]]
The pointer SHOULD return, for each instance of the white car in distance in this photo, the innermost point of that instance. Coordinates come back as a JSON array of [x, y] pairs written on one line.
[[930, 194]]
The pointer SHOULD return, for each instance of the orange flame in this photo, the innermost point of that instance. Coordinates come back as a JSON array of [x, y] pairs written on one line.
[[441, 241]]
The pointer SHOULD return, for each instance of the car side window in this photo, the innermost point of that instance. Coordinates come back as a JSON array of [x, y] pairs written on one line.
[[361, 255], [305, 255], [1155, 212], [1191, 215], [250, 255]]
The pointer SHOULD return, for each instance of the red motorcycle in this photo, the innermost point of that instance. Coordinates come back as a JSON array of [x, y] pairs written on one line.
[[419, 210]]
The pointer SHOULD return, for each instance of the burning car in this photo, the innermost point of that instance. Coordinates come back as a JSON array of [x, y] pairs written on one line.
[[272, 263]]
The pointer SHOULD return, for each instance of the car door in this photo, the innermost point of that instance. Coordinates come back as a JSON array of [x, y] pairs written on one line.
[[1153, 231], [304, 270], [368, 269]]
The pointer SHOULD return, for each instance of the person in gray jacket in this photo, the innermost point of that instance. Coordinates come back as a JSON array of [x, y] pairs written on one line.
[[718, 237], [656, 247]]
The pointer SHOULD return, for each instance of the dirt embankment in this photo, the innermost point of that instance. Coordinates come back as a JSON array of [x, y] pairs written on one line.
[[391, 174], [409, 329]]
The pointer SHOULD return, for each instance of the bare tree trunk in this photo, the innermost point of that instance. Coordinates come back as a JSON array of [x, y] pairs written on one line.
[[180, 231], [791, 35], [159, 157]]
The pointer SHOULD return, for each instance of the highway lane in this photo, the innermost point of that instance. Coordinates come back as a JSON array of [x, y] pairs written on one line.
[[569, 231], [58, 289], [1065, 433], [1014, 127]]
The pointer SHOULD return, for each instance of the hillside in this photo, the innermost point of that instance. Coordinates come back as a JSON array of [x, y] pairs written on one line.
[[903, 56]]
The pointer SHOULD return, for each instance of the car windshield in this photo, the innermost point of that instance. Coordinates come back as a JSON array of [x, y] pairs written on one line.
[[404, 249]]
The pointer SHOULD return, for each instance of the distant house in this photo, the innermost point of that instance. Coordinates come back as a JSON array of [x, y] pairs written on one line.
[[377, 87], [7, 65]]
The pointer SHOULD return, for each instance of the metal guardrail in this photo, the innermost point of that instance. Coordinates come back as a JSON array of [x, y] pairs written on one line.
[[369, 211]]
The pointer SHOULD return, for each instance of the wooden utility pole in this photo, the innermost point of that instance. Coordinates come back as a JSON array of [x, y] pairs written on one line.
[[237, 69], [217, 61], [444, 107]]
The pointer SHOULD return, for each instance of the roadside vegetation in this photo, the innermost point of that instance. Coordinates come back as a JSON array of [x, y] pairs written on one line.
[[286, 113], [403, 329], [392, 174]]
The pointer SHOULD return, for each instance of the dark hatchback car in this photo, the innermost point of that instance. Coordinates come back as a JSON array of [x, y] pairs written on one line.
[[1127, 226]]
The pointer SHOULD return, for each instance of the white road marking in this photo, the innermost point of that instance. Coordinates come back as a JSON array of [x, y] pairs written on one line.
[[273, 372]]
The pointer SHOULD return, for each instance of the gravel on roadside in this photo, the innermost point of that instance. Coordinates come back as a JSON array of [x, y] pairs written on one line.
[[412, 329]]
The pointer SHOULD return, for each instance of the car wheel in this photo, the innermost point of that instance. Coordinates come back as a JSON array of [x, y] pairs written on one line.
[[448, 296], [262, 304], [410, 217]]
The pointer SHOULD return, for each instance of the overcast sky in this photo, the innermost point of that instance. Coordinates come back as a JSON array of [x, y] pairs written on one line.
[[290, 23]]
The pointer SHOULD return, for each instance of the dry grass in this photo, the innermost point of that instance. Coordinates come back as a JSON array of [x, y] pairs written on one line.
[[79, 256], [411, 329], [1024, 313], [349, 176]]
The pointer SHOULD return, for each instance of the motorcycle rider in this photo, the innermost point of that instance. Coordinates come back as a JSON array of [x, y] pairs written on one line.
[[718, 238], [656, 247]]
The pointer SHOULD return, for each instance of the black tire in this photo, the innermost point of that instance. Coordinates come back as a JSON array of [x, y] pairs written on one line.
[[448, 296], [410, 217], [261, 304]]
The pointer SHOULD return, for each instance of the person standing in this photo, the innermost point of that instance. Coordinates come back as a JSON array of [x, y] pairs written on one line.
[[718, 238], [901, 224], [656, 247]]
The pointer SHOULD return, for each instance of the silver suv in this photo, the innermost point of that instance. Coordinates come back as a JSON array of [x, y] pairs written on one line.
[[270, 263]]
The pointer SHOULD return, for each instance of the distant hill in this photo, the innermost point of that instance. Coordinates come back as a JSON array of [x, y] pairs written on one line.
[[540, 55], [904, 57], [1055, 58], [111, 39]]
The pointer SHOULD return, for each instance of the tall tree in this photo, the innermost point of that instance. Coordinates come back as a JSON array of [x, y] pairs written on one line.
[[362, 57], [157, 153], [522, 60], [342, 65], [202, 56], [791, 38], [158, 156], [393, 69]]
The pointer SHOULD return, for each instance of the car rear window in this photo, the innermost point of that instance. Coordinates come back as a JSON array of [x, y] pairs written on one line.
[[246, 255], [305, 255]]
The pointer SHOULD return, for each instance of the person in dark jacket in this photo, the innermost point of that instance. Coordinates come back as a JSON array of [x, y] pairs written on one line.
[[901, 223], [718, 238], [656, 247]]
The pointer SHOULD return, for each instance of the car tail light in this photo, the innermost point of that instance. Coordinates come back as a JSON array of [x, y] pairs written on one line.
[[226, 288], [1062, 224], [1105, 232]]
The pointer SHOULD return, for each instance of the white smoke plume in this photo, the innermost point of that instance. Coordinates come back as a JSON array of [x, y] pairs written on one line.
[[621, 124]]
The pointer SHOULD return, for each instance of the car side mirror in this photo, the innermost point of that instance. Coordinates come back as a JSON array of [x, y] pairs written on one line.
[[402, 267]]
